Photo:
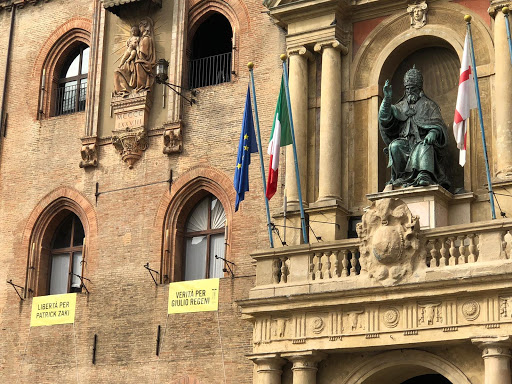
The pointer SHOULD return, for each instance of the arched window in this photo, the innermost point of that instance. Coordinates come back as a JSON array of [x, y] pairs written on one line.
[[66, 256], [72, 83], [204, 238], [212, 47]]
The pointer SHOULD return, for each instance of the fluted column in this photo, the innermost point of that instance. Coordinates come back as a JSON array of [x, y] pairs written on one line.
[[268, 368], [298, 84], [496, 355], [329, 183], [305, 366], [503, 96]]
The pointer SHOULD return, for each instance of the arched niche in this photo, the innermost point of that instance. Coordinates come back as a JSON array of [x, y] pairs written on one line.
[[392, 43]]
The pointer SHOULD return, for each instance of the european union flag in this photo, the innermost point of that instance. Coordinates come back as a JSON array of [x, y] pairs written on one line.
[[246, 146]]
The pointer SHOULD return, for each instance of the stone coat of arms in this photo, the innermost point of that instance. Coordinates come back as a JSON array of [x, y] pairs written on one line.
[[390, 244]]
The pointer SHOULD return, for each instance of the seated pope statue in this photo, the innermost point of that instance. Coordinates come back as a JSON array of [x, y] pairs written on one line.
[[415, 135]]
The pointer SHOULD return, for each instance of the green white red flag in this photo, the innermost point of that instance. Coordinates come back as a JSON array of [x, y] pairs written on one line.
[[281, 136]]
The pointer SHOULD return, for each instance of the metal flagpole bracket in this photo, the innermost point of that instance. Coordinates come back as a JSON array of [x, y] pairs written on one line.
[[151, 271], [15, 286], [81, 281], [226, 264]]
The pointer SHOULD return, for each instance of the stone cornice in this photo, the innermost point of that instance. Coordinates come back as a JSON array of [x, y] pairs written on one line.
[[8, 4]]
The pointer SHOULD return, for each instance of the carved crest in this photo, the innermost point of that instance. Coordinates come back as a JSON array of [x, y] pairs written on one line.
[[390, 245]]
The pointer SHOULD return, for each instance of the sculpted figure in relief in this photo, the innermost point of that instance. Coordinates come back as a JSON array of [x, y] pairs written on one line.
[[418, 13], [390, 245], [415, 135], [135, 70]]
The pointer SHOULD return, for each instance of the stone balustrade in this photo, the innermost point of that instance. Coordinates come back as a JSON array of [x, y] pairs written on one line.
[[338, 261]]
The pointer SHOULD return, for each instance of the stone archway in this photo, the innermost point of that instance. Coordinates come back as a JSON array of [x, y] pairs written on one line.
[[399, 366]]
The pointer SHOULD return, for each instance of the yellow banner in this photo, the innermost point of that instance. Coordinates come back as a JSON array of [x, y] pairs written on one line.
[[53, 309], [194, 296]]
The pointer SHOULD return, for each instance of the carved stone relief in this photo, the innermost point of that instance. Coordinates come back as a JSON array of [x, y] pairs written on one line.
[[355, 321], [390, 245], [173, 141], [89, 152], [471, 310], [430, 314], [418, 14], [391, 317]]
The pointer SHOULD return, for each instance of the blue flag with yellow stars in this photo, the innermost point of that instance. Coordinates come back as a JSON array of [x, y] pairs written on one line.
[[246, 146]]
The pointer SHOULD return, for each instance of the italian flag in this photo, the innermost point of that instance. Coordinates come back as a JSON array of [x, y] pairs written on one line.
[[281, 136]]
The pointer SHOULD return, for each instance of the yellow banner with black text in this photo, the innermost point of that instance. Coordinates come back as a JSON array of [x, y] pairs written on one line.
[[194, 296], [53, 309]]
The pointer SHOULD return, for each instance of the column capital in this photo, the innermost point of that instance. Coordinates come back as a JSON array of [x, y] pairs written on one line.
[[304, 360], [300, 50], [494, 346], [497, 6], [267, 362], [336, 44]]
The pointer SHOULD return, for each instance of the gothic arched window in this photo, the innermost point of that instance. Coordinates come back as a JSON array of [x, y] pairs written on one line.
[[204, 238], [66, 256], [72, 87]]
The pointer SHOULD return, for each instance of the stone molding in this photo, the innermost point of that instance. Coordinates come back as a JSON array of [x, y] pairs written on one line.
[[497, 6], [337, 45], [301, 51], [268, 363], [173, 139], [8, 4], [494, 346]]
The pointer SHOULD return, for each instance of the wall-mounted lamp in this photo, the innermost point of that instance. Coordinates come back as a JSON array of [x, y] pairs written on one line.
[[162, 74]]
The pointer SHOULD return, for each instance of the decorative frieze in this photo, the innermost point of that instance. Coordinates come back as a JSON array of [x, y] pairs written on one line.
[[390, 323]]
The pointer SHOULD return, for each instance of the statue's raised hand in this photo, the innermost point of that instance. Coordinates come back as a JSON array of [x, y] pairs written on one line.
[[388, 90]]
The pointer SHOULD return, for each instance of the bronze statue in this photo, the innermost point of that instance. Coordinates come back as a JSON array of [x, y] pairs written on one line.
[[415, 135]]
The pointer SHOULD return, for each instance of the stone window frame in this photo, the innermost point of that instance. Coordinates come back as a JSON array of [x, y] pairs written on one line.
[[39, 234], [175, 209], [53, 56]]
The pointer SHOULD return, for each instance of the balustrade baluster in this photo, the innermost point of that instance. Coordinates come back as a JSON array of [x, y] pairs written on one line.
[[318, 273], [312, 267], [276, 272], [284, 270], [443, 251], [327, 265], [353, 262], [472, 248], [335, 271], [462, 250], [344, 263], [453, 256], [433, 253]]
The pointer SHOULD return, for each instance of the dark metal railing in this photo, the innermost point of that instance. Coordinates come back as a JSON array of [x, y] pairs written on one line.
[[211, 70], [70, 99]]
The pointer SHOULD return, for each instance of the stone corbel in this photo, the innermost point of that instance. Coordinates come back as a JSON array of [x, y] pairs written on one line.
[[319, 47], [89, 152], [131, 145], [173, 139], [303, 51]]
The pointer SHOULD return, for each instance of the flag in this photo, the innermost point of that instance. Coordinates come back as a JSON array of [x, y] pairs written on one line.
[[466, 101], [246, 146], [281, 136]]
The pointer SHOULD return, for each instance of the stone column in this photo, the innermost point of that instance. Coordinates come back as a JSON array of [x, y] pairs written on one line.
[[298, 84], [496, 355], [268, 368], [502, 96], [329, 185], [305, 366]]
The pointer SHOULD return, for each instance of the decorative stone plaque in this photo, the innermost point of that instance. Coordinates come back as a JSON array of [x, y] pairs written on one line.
[[129, 136]]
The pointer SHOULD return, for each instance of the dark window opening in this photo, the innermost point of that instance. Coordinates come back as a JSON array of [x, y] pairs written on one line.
[[72, 87], [428, 379], [211, 53], [66, 265]]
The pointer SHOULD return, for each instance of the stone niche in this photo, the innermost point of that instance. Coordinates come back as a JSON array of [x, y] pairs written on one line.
[[129, 136]]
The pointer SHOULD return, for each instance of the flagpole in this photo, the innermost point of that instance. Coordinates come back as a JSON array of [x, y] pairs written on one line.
[[467, 19], [505, 11], [297, 175], [251, 66]]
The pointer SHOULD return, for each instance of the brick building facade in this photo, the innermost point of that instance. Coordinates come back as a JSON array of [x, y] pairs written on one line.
[[104, 171]]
